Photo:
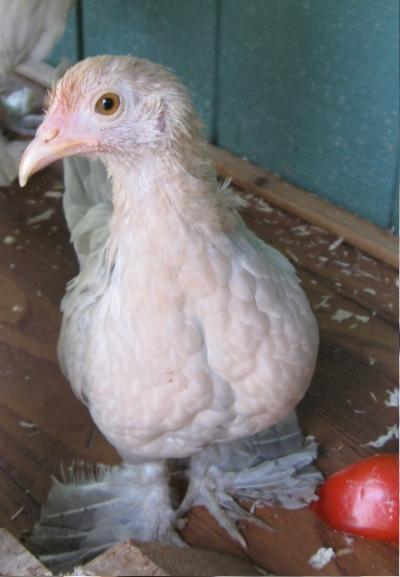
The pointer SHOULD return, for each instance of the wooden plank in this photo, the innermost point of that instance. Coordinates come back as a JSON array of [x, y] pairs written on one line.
[[123, 559], [311, 208], [158, 559], [16, 560]]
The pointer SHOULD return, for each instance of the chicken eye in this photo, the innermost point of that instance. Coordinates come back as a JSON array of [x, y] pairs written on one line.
[[108, 104]]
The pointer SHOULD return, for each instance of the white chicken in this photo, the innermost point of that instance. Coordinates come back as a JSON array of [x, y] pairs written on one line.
[[184, 333], [28, 31]]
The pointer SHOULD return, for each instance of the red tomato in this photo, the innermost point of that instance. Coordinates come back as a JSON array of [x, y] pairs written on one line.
[[363, 498]]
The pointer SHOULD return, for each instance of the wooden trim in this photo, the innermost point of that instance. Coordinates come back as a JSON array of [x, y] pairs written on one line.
[[353, 229]]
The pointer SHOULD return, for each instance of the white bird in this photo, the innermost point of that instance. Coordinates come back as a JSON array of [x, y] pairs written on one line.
[[183, 332], [28, 31]]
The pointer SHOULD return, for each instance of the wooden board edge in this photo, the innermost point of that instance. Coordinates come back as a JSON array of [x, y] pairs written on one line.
[[355, 230]]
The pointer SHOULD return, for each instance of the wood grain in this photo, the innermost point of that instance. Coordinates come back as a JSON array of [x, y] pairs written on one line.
[[42, 424], [16, 560]]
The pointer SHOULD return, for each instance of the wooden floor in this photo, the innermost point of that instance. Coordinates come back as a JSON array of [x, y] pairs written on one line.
[[42, 425]]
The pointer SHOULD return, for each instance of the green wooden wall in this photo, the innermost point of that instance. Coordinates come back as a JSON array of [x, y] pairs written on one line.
[[307, 88]]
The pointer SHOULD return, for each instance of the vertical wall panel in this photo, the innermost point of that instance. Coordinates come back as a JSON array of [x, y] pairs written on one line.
[[177, 33], [66, 47], [309, 88]]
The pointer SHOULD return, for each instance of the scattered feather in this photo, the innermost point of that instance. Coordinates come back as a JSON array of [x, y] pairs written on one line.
[[371, 361], [321, 557], [393, 400], [374, 397], [369, 290], [342, 315], [362, 318], [392, 433], [17, 309], [336, 243], [41, 217]]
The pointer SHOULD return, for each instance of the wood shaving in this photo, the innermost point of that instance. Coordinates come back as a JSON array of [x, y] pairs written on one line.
[[259, 203], [392, 433], [362, 319], [336, 243], [301, 230], [321, 557], [323, 304], [373, 396], [16, 514], [53, 194], [342, 315], [393, 399], [41, 217], [27, 425], [9, 239], [291, 255]]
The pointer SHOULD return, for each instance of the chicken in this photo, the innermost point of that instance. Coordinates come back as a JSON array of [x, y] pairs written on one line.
[[28, 31], [184, 333]]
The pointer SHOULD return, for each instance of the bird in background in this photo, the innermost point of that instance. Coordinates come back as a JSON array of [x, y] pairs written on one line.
[[28, 32], [187, 336]]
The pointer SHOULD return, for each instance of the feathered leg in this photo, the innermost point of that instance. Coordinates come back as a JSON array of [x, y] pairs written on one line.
[[270, 468], [95, 511]]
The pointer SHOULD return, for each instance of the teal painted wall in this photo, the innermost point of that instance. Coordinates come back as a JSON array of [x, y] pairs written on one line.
[[307, 88], [67, 46]]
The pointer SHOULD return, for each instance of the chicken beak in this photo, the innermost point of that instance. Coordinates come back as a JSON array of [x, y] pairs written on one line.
[[47, 147]]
